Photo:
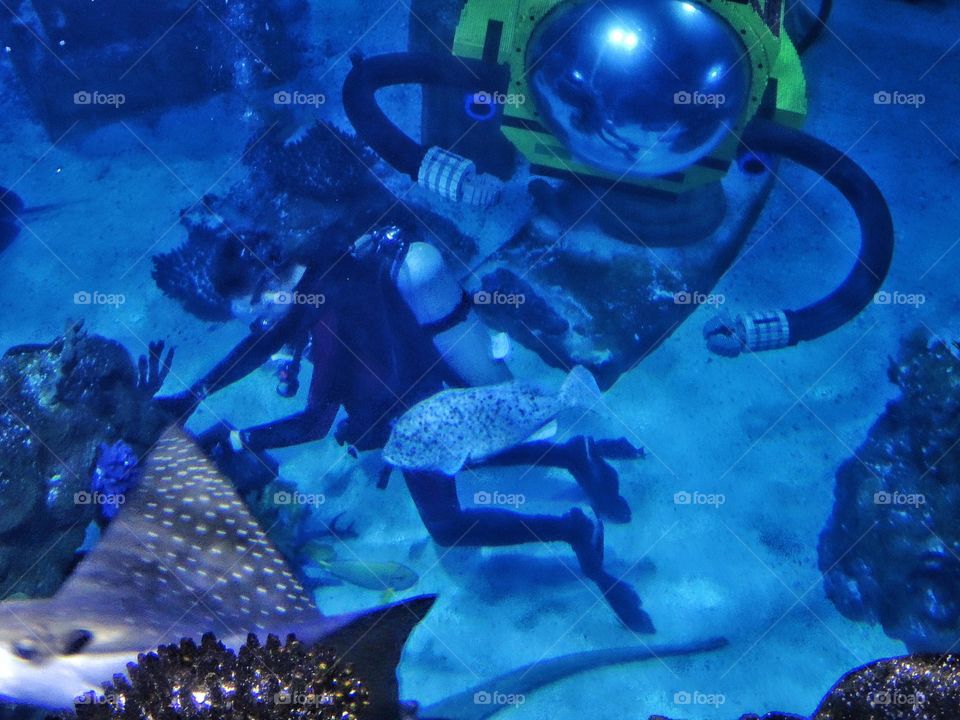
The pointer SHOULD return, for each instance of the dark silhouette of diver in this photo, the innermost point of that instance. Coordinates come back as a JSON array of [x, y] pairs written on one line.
[[394, 326], [592, 116]]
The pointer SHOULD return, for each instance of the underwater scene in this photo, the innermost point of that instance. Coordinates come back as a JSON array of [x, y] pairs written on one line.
[[468, 359]]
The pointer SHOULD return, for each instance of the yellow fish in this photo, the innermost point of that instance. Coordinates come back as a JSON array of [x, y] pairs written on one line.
[[387, 576]]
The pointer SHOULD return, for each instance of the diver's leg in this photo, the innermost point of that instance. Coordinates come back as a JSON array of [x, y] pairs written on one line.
[[303, 427], [449, 525], [435, 495], [586, 459]]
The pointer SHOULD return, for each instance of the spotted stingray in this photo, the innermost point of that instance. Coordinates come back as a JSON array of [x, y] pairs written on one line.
[[184, 557]]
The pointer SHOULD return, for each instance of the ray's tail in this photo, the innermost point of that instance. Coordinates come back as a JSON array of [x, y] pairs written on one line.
[[477, 702]]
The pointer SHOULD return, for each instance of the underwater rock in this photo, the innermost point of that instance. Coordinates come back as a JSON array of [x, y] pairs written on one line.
[[889, 551], [269, 682], [18, 498], [60, 402], [305, 201], [328, 177], [143, 57], [912, 687], [304, 165], [217, 264], [594, 297]]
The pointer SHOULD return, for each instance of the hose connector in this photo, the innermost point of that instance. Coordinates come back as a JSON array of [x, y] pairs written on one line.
[[456, 178], [747, 332]]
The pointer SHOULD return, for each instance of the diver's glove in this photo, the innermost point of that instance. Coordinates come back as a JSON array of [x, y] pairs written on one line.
[[457, 179], [152, 369], [747, 332]]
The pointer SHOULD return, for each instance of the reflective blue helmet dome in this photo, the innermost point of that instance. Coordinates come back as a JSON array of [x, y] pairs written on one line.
[[638, 87]]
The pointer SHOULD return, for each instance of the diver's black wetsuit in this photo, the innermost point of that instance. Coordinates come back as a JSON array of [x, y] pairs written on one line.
[[370, 356]]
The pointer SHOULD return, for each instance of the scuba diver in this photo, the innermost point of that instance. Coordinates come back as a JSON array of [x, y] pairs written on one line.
[[385, 326], [589, 115]]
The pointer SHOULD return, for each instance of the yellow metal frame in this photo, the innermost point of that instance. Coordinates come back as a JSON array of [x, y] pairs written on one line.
[[771, 54]]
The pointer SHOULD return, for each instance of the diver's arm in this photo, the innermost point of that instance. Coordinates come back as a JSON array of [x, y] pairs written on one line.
[[313, 423], [441, 306], [248, 355]]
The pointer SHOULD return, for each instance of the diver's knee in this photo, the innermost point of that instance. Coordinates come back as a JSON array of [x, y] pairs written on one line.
[[427, 286], [440, 306]]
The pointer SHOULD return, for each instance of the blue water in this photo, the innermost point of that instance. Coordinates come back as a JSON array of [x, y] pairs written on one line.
[[757, 438]]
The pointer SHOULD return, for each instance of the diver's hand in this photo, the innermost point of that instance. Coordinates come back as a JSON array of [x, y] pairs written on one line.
[[181, 405], [154, 368]]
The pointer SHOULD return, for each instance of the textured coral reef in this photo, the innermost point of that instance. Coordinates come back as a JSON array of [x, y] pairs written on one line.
[[58, 403], [890, 551], [913, 687], [273, 681]]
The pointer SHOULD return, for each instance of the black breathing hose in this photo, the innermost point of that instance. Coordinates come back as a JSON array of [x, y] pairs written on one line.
[[762, 137], [372, 74], [817, 25], [873, 259]]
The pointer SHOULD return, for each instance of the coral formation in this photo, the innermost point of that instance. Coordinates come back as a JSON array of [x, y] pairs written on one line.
[[115, 473], [890, 551], [323, 163], [269, 682], [127, 52], [913, 687], [304, 203], [217, 264], [58, 403]]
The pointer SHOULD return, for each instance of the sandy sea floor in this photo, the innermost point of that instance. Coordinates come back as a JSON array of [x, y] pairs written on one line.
[[767, 432]]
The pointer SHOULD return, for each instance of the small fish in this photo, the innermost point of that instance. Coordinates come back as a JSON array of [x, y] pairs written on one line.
[[386, 576], [446, 431]]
